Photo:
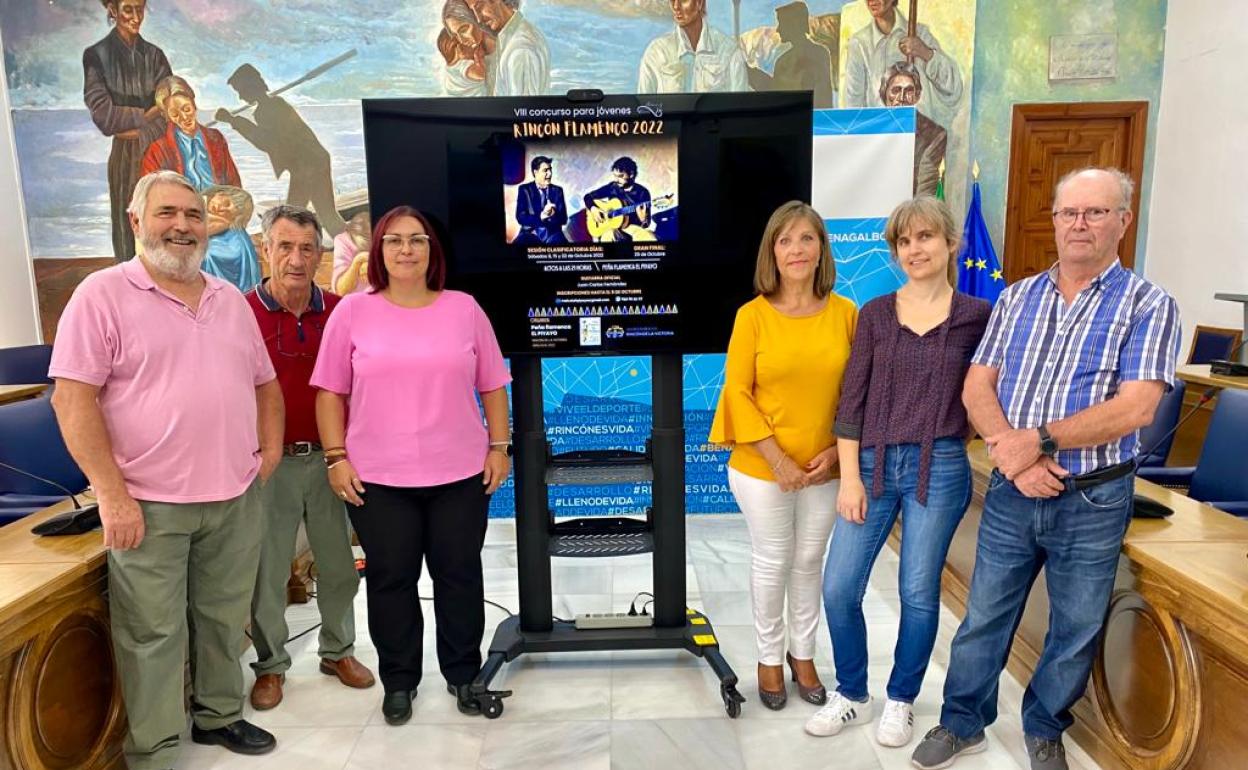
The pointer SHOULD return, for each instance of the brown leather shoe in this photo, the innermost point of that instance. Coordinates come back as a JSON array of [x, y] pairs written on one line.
[[349, 671], [267, 691]]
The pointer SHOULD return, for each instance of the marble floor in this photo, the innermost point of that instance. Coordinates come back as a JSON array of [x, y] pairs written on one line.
[[618, 710]]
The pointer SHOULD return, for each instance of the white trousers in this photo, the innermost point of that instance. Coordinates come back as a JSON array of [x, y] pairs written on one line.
[[789, 534]]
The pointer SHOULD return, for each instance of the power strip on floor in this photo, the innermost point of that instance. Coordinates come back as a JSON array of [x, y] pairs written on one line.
[[592, 620]]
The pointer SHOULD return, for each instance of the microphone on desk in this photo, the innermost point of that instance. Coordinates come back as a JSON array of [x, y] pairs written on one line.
[[1144, 508], [1228, 365], [83, 518]]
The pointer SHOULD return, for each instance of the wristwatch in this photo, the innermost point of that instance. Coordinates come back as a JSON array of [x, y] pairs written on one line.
[[499, 446], [1048, 446]]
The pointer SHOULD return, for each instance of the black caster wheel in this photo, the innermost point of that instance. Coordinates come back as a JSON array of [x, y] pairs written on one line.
[[491, 708], [732, 700]]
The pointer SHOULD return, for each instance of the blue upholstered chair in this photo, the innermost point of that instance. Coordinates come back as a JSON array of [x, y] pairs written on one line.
[[1220, 477], [1212, 343], [1164, 420], [31, 440], [25, 365]]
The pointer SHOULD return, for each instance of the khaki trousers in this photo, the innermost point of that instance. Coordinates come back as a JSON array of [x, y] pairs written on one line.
[[299, 491], [185, 589]]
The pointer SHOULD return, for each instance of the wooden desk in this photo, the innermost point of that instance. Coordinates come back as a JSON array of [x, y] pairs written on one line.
[[62, 706], [1173, 664], [19, 392], [1199, 375], [1191, 435]]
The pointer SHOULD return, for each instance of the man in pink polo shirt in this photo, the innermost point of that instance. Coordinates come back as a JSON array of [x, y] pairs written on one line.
[[168, 401]]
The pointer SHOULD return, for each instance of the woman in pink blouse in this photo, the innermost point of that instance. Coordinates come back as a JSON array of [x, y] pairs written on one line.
[[399, 369]]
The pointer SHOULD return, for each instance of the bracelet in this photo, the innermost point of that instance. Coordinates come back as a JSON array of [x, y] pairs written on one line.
[[775, 468], [330, 466], [500, 443], [336, 453], [335, 448]]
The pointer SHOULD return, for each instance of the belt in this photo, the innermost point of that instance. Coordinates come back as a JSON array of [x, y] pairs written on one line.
[[1101, 475], [301, 448]]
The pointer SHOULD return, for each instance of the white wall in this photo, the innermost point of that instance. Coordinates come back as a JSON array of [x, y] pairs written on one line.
[[1198, 231], [19, 308]]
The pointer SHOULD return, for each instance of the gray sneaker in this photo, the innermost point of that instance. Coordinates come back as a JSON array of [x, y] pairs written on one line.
[[1046, 754], [940, 747]]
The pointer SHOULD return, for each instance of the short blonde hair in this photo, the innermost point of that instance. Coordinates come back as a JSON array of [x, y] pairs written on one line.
[[924, 209], [767, 274], [172, 86]]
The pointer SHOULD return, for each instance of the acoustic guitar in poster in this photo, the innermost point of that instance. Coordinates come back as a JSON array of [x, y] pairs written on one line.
[[610, 214]]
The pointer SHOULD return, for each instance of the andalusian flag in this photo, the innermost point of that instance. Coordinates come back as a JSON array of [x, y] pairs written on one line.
[[979, 270]]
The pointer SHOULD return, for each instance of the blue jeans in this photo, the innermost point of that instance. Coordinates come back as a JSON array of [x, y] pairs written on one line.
[[925, 534], [1076, 537]]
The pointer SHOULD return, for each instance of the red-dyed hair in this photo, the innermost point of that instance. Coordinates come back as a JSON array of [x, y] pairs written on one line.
[[379, 277]]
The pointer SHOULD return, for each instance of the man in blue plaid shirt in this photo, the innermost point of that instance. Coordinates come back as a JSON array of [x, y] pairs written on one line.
[[1072, 365]]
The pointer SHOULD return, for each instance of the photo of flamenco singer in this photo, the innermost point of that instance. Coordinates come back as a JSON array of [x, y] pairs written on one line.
[[591, 192]]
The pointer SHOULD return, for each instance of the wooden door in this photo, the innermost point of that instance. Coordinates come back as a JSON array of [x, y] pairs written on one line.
[[1047, 141]]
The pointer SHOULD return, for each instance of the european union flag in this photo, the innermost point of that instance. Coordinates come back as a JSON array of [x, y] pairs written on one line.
[[979, 270]]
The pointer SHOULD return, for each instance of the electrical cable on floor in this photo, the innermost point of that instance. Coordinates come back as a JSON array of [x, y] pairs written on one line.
[[510, 614], [312, 594]]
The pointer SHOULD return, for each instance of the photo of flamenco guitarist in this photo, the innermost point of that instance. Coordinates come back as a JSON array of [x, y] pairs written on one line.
[[620, 209]]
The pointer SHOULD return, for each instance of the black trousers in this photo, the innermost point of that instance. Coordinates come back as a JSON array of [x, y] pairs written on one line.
[[444, 525]]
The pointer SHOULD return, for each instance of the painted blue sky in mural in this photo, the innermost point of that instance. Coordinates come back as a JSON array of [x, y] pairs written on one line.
[[592, 42]]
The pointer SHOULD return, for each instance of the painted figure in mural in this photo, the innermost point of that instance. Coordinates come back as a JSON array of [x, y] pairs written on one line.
[[884, 42], [520, 63], [231, 254], [196, 152], [120, 74], [281, 133], [806, 66], [541, 208], [351, 246], [620, 209], [464, 44], [902, 87], [693, 57]]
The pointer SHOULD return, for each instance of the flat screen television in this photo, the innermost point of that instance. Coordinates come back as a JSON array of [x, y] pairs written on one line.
[[623, 224]]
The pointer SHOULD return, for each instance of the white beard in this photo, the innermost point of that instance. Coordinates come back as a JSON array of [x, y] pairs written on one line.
[[169, 266]]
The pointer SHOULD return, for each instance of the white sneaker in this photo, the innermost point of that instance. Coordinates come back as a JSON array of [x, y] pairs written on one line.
[[896, 725], [840, 712]]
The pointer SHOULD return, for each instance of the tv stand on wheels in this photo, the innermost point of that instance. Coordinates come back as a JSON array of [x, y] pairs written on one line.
[[539, 536]]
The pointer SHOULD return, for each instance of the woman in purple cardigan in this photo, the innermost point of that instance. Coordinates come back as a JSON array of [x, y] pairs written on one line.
[[901, 431]]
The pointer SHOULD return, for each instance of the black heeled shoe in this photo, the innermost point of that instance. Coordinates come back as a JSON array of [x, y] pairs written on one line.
[[465, 701], [772, 699], [396, 707], [816, 695]]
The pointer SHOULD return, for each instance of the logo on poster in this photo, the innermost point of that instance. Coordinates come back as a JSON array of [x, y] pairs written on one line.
[[591, 331]]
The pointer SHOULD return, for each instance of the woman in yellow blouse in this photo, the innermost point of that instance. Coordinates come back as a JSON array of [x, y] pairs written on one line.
[[782, 378]]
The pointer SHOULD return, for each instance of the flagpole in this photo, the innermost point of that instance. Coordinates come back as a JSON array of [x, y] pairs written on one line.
[[912, 26]]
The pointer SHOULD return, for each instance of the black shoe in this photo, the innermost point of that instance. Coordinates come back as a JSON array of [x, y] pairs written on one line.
[[241, 737], [465, 701], [396, 707]]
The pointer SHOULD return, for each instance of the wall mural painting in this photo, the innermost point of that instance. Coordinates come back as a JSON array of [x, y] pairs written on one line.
[[257, 102]]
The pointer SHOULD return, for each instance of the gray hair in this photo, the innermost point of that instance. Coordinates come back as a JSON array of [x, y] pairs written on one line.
[[300, 216], [1126, 186], [458, 9], [138, 201], [243, 203]]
